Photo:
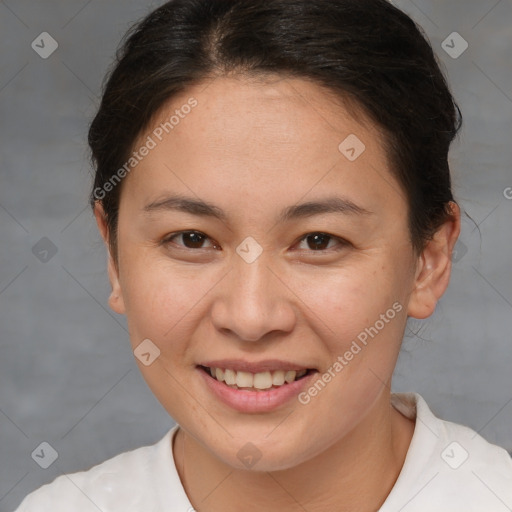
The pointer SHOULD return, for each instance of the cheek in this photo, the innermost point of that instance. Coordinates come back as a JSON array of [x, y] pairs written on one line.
[[342, 303], [162, 302]]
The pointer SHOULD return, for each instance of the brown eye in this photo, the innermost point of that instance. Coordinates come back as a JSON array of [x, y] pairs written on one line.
[[320, 241], [190, 240]]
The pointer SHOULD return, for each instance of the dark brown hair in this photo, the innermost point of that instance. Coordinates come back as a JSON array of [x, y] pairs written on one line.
[[367, 51]]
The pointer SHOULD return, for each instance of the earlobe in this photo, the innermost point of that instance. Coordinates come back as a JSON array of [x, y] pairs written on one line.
[[434, 267], [115, 300]]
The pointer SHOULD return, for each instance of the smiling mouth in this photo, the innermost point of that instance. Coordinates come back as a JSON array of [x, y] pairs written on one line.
[[261, 381]]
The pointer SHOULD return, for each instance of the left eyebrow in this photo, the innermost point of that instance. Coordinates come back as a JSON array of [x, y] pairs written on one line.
[[328, 205], [302, 210]]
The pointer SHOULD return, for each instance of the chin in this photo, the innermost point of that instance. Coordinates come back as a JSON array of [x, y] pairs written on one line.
[[262, 461], [255, 453]]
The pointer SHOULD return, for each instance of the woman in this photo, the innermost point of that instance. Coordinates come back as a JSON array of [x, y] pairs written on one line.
[[273, 189]]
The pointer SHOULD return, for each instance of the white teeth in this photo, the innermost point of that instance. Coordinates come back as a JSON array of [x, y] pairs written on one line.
[[262, 380], [259, 381], [230, 377], [278, 378], [244, 379], [289, 376]]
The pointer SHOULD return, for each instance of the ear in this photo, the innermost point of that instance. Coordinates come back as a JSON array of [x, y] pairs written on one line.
[[115, 301], [434, 267]]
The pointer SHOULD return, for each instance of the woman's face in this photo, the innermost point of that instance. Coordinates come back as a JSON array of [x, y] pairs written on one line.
[[301, 259]]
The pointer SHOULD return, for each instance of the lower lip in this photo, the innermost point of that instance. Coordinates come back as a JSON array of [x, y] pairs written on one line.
[[255, 401]]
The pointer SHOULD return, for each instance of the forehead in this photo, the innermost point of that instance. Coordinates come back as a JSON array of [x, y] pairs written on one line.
[[248, 136], [277, 111]]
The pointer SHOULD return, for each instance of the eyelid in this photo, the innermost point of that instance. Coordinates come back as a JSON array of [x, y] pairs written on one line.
[[168, 239], [341, 242]]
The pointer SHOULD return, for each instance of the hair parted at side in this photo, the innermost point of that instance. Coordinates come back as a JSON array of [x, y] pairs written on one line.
[[367, 51]]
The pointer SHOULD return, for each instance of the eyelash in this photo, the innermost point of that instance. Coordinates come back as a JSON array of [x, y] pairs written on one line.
[[169, 239]]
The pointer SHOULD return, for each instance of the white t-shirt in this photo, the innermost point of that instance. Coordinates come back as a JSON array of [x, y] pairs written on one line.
[[448, 468]]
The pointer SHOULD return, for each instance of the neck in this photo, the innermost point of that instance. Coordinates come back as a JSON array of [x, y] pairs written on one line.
[[356, 473]]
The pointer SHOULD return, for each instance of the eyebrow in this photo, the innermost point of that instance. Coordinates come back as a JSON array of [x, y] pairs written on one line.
[[308, 209]]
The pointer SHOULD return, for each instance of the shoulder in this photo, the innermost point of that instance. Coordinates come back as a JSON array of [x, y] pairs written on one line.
[[464, 445], [449, 467], [481, 464], [123, 483]]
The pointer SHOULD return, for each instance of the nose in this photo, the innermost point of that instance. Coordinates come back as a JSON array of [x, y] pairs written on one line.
[[253, 302]]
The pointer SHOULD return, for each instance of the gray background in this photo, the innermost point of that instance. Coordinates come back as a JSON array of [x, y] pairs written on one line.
[[67, 375]]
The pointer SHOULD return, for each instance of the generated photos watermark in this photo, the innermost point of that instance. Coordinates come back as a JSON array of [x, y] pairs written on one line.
[[150, 143], [356, 347]]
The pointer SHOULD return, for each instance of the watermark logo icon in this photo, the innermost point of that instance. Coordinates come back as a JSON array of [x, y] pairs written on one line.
[[45, 455], [454, 45], [352, 147], [44, 45], [44, 250], [455, 455], [146, 352], [459, 251], [249, 250], [249, 455]]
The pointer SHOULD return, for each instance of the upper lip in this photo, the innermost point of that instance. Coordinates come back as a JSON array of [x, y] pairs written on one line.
[[267, 365]]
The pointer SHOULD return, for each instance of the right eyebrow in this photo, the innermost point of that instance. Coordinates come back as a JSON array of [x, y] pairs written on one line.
[[187, 205]]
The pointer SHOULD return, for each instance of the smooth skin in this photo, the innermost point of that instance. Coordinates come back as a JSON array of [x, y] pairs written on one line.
[[253, 148]]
